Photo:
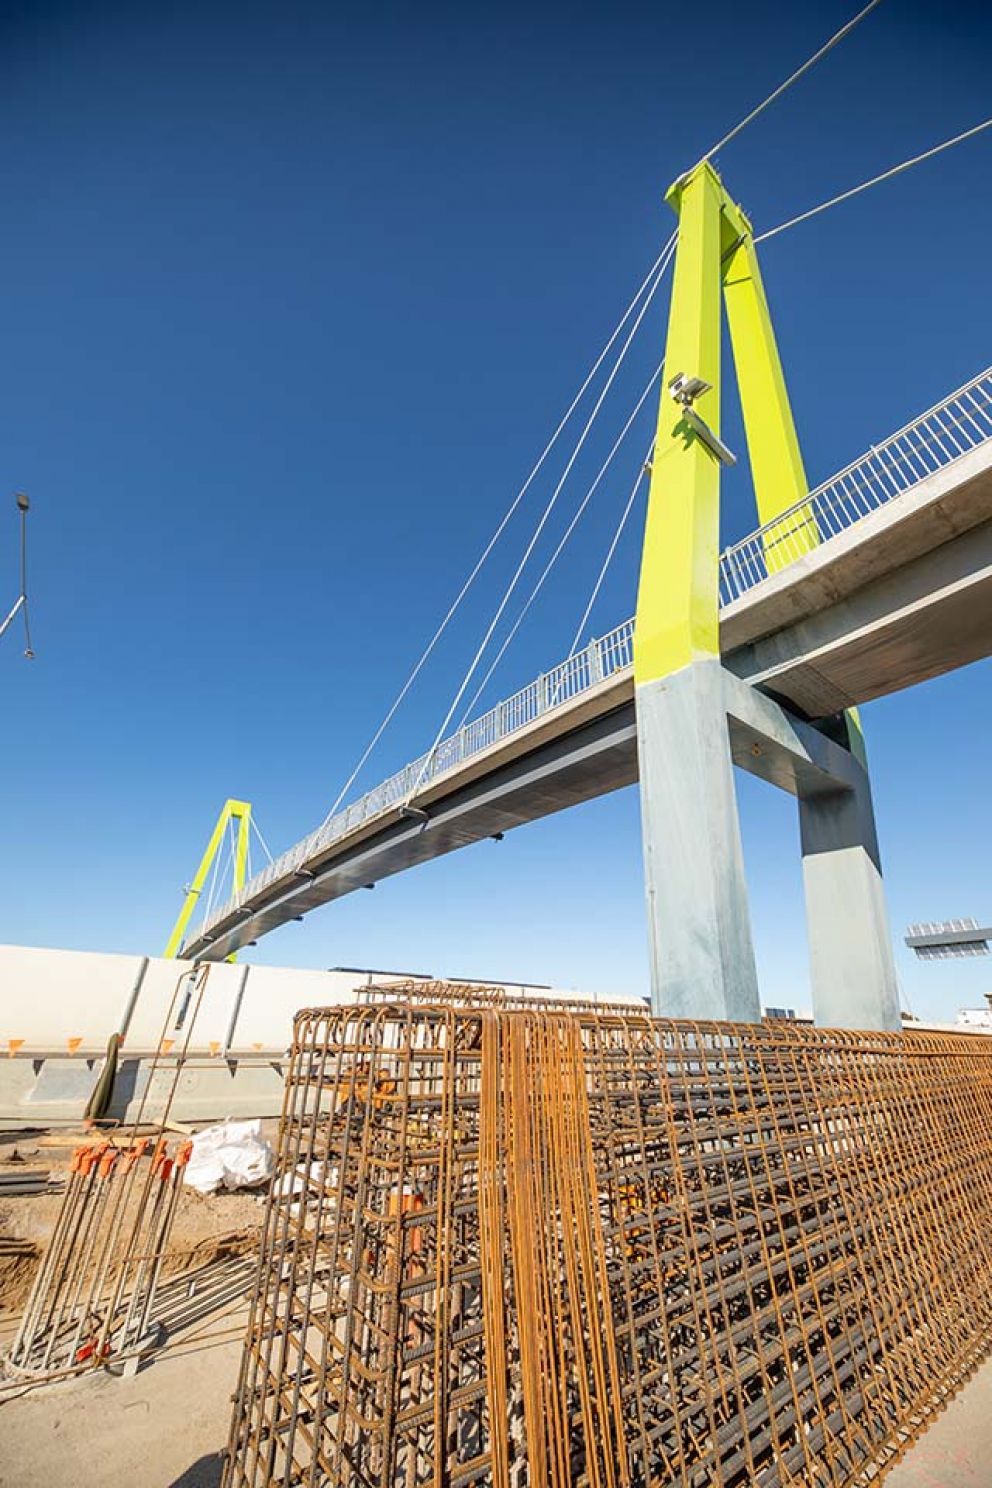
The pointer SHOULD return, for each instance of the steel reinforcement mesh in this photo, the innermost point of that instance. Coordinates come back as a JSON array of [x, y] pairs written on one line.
[[523, 1248]]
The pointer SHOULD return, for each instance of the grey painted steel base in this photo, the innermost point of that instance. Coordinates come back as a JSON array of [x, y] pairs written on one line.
[[702, 959], [692, 728]]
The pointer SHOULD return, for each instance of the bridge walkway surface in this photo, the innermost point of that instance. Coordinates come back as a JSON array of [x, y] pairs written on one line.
[[897, 589]]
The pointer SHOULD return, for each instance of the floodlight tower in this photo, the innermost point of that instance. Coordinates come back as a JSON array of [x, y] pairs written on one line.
[[20, 605], [949, 940]]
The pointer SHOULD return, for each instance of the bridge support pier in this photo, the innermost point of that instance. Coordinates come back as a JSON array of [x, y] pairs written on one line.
[[693, 727], [852, 969], [702, 960]]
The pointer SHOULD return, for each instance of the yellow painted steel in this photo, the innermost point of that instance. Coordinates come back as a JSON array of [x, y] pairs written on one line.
[[677, 619], [773, 445], [777, 469], [678, 594], [239, 811]]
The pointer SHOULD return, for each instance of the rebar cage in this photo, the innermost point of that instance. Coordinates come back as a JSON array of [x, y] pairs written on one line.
[[528, 1248]]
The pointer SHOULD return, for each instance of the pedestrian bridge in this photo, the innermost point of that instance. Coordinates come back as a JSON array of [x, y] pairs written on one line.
[[898, 589]]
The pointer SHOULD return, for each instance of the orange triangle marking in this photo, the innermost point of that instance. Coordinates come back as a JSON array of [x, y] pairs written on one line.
[[167, 1045], [12, 1046], [74, 1044], [214, 1046]]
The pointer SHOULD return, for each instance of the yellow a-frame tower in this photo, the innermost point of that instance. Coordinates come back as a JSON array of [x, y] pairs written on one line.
[[239, 811], [695, 720]]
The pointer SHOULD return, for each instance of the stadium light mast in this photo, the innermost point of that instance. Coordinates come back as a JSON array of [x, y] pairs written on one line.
[[949, 940], [20, 605]]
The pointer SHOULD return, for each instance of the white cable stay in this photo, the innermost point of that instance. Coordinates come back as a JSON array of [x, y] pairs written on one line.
[[648, 283], [258, 833], [583, 504], [642, 472], [549, 507], [886, 175], [794, 77], [212, 887]]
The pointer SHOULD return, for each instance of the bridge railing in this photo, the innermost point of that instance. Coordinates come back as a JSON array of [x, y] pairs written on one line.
[[600, 659], [930, 442]]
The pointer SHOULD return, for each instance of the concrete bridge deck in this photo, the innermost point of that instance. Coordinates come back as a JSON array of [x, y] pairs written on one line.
[[899, 591]]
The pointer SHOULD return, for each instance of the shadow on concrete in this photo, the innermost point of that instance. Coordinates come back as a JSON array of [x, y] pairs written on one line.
[[192, 1295], [203, 1473], [126, 1088]]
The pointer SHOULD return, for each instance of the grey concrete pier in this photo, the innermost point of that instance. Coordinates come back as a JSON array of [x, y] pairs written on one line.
[[699, 927], [692, 728]]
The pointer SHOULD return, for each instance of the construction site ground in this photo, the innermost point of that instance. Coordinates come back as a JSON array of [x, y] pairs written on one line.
[[166, 1426]]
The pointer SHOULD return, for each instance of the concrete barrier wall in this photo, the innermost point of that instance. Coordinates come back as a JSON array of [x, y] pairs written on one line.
[[59, 1008], [72, 1001]]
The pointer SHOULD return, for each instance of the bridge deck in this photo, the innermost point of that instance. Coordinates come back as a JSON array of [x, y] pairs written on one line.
[[898, 591]]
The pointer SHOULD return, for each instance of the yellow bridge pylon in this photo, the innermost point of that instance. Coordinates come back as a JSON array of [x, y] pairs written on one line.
[[239, 811]]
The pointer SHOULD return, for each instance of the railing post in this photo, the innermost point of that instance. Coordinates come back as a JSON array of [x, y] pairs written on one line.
[[595, 662]]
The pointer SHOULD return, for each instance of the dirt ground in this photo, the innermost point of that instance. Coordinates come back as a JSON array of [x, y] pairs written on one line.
[[166, 1427]]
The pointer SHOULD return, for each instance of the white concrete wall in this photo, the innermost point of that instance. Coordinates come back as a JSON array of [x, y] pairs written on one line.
[[70, 1002], [48, 998], [58, 1008]]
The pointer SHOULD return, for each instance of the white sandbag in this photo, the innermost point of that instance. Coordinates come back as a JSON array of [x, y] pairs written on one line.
[[233, 1154]]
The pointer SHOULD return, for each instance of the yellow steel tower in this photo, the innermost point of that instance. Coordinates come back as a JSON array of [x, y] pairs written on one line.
[[239, 811], [695, 720]]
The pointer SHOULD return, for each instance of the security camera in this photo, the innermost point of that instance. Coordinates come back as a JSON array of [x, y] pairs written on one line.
[[686, 389]]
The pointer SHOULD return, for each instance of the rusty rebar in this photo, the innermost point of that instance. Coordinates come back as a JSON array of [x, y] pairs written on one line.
[[540, 1248], [92, 1299]]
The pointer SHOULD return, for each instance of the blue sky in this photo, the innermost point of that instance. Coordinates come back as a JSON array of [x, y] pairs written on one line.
[[291, 298]]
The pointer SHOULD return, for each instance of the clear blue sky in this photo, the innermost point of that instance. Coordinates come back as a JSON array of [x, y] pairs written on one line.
[[291, 297]]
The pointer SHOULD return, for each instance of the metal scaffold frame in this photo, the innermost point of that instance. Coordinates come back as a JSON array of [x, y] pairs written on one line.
[[508, 1246]]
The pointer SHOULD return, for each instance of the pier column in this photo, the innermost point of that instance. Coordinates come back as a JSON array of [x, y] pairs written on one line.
[[852, 967], [699, 928]]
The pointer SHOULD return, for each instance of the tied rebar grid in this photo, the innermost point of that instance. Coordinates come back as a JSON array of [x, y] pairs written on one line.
[[530, 1248], [490, 995]]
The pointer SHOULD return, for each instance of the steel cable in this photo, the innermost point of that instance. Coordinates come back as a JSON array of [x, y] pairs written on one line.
[[886, 175], [794, 77], [549, 507], [501, 528]]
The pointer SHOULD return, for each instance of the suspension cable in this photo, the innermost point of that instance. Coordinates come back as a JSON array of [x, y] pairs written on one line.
[[456, 700], [253, 824], [564, 539], [887, 175], [515, 503], [611, 550], [794, 77]]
